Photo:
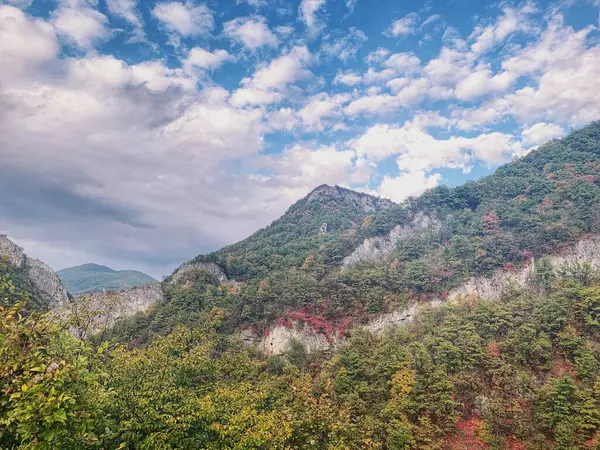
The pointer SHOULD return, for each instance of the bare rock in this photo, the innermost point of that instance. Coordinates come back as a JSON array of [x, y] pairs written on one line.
[[379, 249]]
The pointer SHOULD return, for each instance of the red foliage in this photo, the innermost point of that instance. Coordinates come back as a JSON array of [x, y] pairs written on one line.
[[570, 168], [491, 222], [466, 436], [512, 443], [317, 323], [341, 328], [266, 332], [587, 178], [593, 441], [550, 176], [493, 349], [563, 367], [509, 267]]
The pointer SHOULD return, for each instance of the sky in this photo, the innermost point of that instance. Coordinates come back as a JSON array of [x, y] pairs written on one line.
[[138, 134]]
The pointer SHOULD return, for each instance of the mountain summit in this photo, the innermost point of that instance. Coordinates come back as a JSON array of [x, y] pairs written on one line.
[[94, 277]]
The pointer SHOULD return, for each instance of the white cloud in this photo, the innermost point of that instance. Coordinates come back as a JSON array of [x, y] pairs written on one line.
[[378, 55], [351, 4], [269, 83], [127, 9], [85, 27], [322, 106], [284, 119], [562, 87], [308, 14], [25, 44], [343, 44], [185, 19], [373, 104], [397, 84], [403, 62], [403, 27], [284, 30], [203, 59], [511, 21], [304, 166], [348, 78], [252, 32], [407, 185], [416, 150], [482, 81], [540, 133], [254, 3]]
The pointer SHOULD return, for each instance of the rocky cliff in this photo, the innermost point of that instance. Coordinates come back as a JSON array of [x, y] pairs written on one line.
[[103, 309], [277, 339], [379, 249], [45, 282], [367, 203]]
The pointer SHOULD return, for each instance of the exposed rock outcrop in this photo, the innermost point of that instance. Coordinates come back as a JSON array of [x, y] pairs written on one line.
[[210, 267], [45, 282], [366, 203], [379, 249], [278, 338], [584, 251], [109, 306]]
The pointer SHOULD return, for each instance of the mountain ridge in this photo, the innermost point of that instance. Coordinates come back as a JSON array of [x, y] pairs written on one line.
[[90, 277]]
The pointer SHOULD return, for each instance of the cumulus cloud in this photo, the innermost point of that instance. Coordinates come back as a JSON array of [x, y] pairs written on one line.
[[127, 9], [269, 83], [308, 14], [417, 150], [343, 44], [541, 132], [403, 27], [251, 32], [83, 26], [321, 107], [203, 59], [409, 184], [184, 19]]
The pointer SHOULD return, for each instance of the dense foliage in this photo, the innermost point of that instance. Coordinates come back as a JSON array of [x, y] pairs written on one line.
[[519, 373], [15, 287]]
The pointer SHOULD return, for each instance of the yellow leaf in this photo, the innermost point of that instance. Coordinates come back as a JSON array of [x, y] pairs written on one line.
[[24, 387]]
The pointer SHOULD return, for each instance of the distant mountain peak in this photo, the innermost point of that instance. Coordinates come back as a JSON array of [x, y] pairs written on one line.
[[93, 268], [91, 277], [368, 203]]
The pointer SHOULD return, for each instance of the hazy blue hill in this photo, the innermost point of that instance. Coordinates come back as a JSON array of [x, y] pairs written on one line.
[[95, 277]]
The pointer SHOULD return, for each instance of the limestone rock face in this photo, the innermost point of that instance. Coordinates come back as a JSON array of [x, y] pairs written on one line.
[[47, 284], [210, 267], [379, 249], [117, 304], [278, 338], [585, 251], [43, 279], [11, 251], [367, 203]]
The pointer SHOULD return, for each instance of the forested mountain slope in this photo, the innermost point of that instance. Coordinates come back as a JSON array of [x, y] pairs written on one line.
[[311, 262], [94, 277]]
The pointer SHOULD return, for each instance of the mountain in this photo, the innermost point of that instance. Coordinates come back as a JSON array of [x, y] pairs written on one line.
[[89, 278], [339, 257], [24, 278]]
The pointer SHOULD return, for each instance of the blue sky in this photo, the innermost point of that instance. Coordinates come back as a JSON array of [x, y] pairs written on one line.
[[138, 134]]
